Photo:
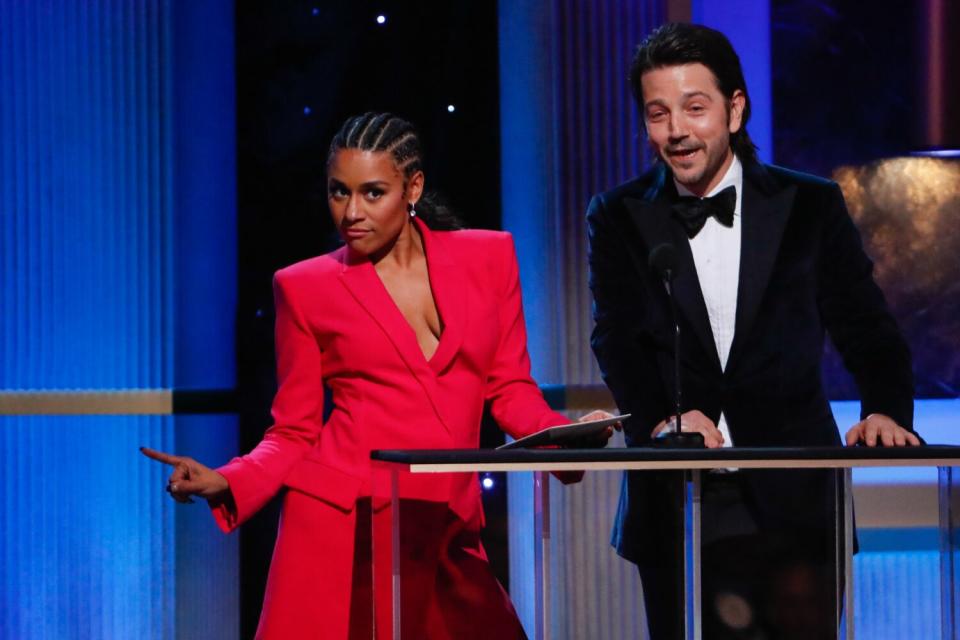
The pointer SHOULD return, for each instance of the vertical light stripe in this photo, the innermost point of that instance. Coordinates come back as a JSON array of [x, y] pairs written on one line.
[[897, 595], [747, 24], [85, 529], [599, 145], [529, 180], [596, 594], [80, 239], [570, 130], [573, 130], [90, 243]]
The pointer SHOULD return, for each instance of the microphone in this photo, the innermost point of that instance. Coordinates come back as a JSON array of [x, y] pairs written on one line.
[[663, 262]]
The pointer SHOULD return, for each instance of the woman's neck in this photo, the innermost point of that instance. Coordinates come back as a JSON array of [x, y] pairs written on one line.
[[406, 249]]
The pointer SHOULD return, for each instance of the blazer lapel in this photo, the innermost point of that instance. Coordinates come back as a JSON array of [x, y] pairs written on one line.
[[446, 281], [651, 215], [765, 210], [363, 283]]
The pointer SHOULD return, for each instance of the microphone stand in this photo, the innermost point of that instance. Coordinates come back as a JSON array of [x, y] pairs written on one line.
[[676, 439]]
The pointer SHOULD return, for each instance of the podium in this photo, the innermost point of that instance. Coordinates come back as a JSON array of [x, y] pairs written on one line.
[[420, 466]]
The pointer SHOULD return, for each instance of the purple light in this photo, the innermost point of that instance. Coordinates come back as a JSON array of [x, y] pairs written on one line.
[[307, 111], [381, 19], [937, 153], [315, 11]]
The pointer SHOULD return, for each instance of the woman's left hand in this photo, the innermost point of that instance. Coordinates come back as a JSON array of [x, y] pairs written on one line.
[[599, 439]]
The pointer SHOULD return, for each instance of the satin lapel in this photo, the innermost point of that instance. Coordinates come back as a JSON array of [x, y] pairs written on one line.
[[447, 283], [765, 209], [651, 215]]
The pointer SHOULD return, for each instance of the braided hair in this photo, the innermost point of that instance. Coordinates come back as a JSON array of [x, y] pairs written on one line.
[[385, 132]]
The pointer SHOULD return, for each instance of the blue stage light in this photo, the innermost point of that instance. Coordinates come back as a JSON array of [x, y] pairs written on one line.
[[936, 153]]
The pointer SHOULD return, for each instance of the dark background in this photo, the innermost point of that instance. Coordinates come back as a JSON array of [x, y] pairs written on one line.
[[846, 81]]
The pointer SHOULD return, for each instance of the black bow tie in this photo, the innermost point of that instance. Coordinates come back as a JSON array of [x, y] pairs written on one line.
[[692, 212]]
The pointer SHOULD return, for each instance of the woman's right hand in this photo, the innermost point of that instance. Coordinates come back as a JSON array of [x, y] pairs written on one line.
[[190, 478]]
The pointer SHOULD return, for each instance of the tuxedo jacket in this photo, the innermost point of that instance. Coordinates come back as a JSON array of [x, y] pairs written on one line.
[[803, 275], [337, 326]]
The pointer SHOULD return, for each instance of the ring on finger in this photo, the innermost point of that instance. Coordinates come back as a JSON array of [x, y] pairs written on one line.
[[172, 490]]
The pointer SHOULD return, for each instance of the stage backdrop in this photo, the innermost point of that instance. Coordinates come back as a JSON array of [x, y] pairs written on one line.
[[117, 285]]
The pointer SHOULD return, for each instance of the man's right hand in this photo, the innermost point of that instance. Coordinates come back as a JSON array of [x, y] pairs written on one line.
[[694, 421]]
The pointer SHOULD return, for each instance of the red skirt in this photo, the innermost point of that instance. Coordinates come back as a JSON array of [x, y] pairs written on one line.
[[325, 584]]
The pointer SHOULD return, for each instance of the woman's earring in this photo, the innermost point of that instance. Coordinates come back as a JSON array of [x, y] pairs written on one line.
[[413, 212]]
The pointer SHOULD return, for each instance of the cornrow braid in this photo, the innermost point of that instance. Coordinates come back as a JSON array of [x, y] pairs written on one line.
[[387, 133], [406, 153]]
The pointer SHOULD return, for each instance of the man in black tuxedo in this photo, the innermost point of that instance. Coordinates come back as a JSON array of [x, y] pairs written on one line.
[[768, 261]]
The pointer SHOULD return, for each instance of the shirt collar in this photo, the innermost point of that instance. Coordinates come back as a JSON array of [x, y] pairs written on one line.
[[733, 177]]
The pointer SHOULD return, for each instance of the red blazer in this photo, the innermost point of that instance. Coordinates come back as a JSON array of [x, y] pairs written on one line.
[[338, 326]]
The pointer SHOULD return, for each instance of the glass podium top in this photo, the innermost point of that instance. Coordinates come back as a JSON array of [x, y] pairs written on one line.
[[450, 460]]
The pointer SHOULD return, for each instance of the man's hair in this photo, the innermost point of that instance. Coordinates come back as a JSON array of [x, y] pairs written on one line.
[[679, 43]]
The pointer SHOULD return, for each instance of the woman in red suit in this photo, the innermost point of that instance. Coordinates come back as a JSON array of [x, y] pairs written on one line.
[[414, 330]]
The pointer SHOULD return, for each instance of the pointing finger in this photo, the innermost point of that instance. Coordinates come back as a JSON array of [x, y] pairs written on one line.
[[159, 456]]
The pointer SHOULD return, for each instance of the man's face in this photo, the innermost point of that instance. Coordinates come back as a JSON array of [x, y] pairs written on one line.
[[689, 123]]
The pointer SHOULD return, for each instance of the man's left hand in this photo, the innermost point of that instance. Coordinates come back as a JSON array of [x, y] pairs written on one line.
[[877, 429]]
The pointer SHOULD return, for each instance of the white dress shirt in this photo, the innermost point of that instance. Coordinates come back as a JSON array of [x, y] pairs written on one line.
[[716, 254]]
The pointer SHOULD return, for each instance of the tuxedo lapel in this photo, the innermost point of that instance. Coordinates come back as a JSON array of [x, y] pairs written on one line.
[[765, 209], [651, 216]]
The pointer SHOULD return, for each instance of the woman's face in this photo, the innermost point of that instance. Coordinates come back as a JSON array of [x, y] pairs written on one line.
[[368, 201]]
